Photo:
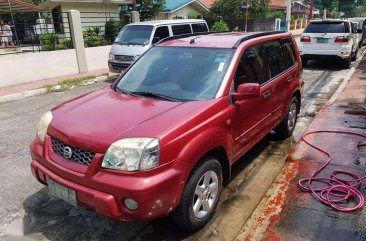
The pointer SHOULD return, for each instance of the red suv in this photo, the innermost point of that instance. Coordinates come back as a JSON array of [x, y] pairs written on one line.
[[162, 139]]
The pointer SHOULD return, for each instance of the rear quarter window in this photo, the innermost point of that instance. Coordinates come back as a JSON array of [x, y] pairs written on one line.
[[181, 29], [199, 27], [327, 27]]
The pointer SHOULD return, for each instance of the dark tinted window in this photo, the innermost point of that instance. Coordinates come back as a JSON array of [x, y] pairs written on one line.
[[274, 56], [251, 67], [327, 27], [181, 29], [161, 33], [199, 27], [289, 52]]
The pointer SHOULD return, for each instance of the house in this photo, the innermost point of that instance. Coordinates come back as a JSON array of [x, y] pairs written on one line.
[[278, 5], [179, 9], [208, 3], [94, 13], [301, 9]]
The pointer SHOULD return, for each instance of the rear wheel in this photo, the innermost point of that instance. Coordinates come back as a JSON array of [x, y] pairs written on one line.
[[200, 195], [304, 61], [346, 63], [287, 126], [354, 56]]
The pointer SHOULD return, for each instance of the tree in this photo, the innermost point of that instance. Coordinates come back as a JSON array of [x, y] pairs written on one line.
[[232, 9], [149, 9]]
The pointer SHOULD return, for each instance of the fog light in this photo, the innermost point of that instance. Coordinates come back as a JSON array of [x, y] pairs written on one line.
[[131, 204]]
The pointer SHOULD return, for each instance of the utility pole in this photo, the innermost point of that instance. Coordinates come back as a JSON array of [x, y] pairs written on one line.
[[246, 17], [288, 14], [134, 5], [311, 9]]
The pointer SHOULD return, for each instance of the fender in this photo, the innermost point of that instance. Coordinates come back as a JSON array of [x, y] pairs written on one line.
[[204, 142]]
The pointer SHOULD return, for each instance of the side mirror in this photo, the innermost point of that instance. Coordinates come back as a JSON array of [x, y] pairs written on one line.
[[155, 40], [359, 30], [247, 91]]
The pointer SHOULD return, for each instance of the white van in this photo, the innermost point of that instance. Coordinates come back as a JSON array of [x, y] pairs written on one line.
[[134, 39]]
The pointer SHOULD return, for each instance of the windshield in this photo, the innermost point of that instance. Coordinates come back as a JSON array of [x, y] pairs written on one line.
[[325, 27], [180, 73], [134, 35]]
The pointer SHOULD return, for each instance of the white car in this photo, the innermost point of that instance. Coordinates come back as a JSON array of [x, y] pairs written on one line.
[[329, 39]]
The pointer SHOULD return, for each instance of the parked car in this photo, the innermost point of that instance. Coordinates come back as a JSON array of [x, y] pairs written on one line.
[[361, 30], [134, 39], [162, 139], [329, 39]]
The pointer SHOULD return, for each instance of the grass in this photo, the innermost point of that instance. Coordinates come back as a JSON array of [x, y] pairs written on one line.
[[67, 84]]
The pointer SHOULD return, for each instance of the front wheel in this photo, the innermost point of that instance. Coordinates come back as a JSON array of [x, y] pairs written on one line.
[[287, 126], [200, 196]]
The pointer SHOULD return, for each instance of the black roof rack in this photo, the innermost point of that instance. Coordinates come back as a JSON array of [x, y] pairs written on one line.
[[251, 36], [236, 45], [187, 35]]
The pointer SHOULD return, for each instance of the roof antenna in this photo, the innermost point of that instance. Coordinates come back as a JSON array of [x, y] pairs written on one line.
[[193, 40]]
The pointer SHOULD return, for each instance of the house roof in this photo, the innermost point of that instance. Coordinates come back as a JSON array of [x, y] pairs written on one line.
[[278, 4], [7, 6], [208, 3], [174, 5]]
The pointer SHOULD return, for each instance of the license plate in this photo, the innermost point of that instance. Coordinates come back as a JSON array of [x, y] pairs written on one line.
[[322, 40], [59, 191]]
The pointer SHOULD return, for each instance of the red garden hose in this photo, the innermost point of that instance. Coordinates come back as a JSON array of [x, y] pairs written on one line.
[[339, 190]]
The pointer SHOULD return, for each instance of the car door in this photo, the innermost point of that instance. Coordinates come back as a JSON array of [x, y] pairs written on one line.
[[251, 115], [280, 60]]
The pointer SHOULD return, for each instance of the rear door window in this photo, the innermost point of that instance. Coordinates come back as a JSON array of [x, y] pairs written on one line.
[[289, 52], [181, 29], [199, 27], [327, 27]]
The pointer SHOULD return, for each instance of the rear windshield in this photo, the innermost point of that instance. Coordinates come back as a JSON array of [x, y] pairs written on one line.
[[326, 27]]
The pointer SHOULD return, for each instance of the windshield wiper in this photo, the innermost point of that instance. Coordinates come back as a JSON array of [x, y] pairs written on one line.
[[130, 43], [155, 95], [119, 90]]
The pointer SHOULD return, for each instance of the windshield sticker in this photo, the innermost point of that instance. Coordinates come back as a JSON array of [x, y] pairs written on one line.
[[221, 67], [221, 59]]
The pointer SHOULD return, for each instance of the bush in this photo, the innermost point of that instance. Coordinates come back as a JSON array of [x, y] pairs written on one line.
[[112, 28], [277, 14], [220, 26], [92, 38], [49, 41], [193, 15]]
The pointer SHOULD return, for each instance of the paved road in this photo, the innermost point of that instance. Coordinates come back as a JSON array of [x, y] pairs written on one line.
[[24, 202]]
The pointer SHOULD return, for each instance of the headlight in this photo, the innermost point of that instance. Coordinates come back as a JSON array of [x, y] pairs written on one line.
[[133, 154], [111, 56], [136, 57], [43, 125]]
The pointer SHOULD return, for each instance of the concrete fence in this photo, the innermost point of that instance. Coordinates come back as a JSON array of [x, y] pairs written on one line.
[[24, 68]]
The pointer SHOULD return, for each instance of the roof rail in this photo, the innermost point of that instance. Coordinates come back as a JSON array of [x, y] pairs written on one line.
[[251, 36], [187, 35]]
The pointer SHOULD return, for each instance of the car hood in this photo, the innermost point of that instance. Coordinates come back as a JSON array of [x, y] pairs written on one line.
[[96, 120], [130, 50]]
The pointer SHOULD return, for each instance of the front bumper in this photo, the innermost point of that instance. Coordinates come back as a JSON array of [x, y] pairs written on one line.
[[117, 67], [157, 191]]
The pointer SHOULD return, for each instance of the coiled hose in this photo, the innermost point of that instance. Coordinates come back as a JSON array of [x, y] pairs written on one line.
[[339, 190]]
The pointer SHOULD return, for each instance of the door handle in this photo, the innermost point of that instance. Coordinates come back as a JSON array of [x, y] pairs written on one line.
[[267, 94], [290, 79]]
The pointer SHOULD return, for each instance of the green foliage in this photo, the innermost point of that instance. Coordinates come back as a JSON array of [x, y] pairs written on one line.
[[220, 26], [149, 9], [112, 28], [92, 38], [193, 15], [277, 14], [232, 9], [49, 41]]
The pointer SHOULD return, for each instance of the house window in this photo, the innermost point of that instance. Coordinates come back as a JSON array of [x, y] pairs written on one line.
[[57, 19]]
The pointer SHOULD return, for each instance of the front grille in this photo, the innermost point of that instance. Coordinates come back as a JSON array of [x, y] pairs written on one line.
[[125, 58], [77, 155], [120, 65]]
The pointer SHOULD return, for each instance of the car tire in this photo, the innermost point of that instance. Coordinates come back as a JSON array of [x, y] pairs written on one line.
[[304, 61], [200, 195], [287, 126], [354, 56], [346, 63]]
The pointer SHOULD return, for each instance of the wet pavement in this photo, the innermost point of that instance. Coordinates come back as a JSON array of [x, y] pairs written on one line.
[[27, 205], [287, 213]]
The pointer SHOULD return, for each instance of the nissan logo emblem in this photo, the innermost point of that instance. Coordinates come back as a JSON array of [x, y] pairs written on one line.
[[67, 152]]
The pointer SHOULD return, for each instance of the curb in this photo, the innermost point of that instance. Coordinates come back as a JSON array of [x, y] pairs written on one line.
[[40, 91]]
